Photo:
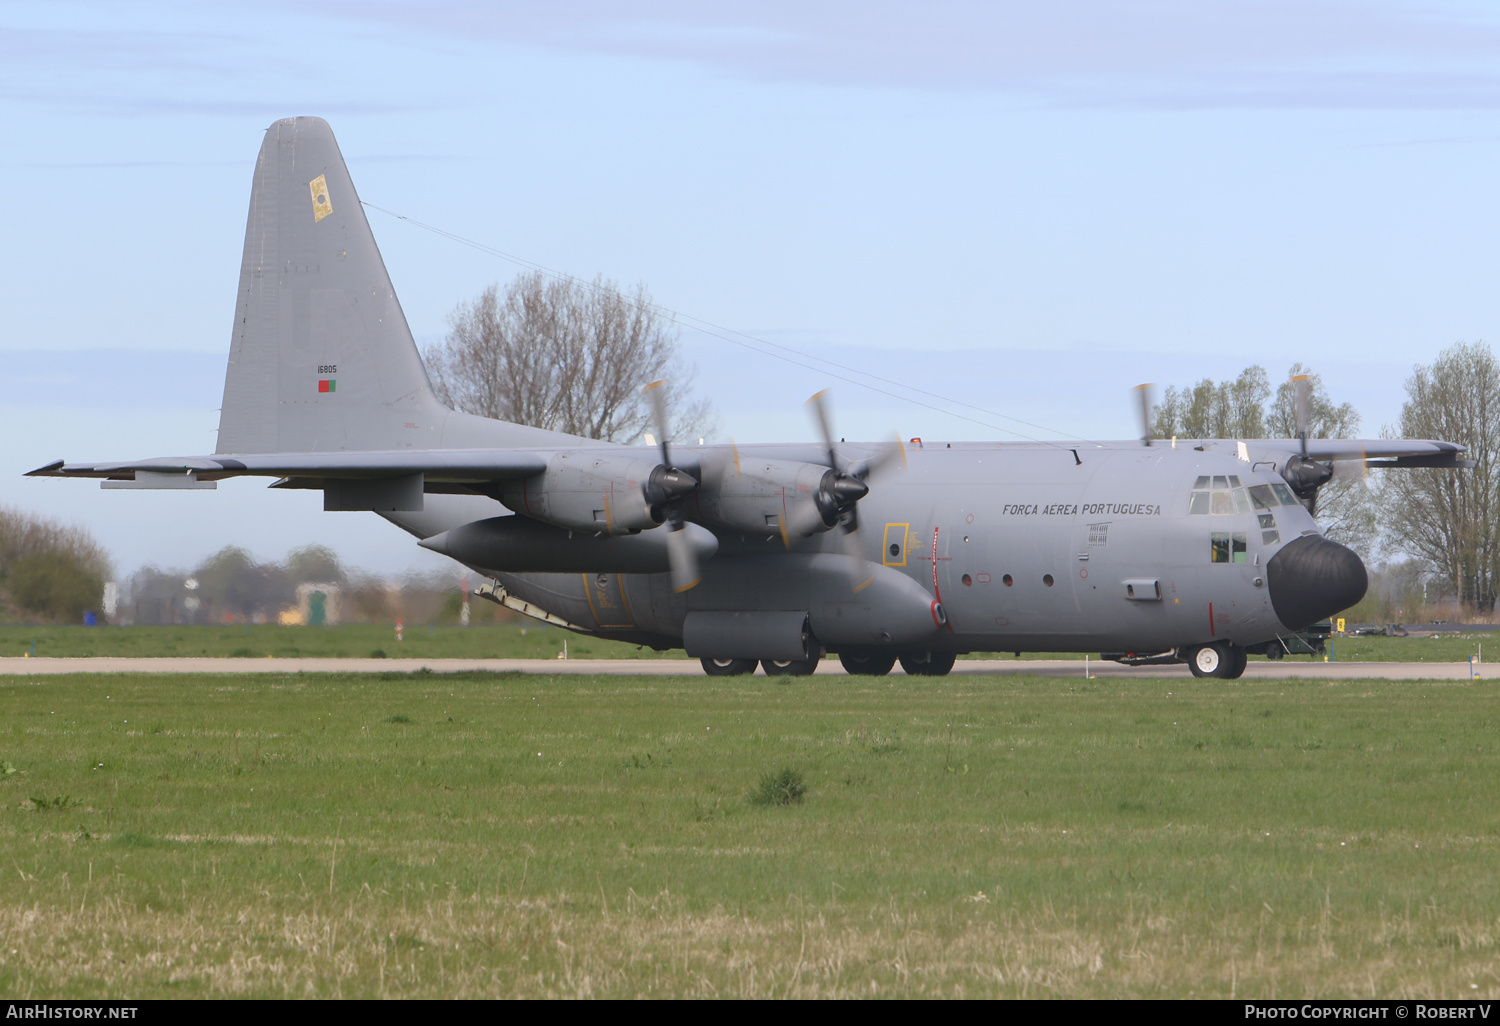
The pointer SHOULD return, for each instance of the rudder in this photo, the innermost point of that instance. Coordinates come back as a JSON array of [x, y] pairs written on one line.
[[321, 357]]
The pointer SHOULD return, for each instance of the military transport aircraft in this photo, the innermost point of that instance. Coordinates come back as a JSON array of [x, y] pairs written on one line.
[[1185, 551]]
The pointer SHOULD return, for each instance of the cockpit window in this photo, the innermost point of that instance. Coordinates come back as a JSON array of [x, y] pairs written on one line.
[[1229, 497], [1263, 497]]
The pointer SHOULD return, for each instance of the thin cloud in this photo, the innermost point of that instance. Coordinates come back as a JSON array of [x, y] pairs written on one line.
[[1151, 53]]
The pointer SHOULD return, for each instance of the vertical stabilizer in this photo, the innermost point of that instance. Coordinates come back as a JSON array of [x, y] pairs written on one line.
[[321, 357]]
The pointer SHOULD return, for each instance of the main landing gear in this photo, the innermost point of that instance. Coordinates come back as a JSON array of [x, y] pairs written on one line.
[[878, 664], [727, 667], [788, 667], [860, 664], [1220, 659]]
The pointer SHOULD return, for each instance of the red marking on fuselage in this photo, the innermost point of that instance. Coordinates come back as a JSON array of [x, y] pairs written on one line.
[[1210, 619], [937, 594]]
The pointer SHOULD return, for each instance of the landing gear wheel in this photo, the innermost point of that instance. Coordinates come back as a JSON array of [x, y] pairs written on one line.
[[1238, 660], [928, 664], [727, 667], [1208, 660], [867, 665], [788, 667], [1275, 651]]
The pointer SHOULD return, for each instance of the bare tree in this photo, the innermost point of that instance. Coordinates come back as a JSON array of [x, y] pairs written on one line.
[[1228, 409], [564, 355], [1451, 521]]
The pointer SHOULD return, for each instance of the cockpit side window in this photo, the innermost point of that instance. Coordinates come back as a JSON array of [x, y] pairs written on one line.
[[1285, 495]]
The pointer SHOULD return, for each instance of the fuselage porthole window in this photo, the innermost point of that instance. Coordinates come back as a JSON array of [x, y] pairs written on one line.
[[1047, 580]]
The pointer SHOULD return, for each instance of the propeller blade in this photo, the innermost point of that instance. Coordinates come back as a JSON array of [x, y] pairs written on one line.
[[859, 576], [1300, 385], [657, 392], [1144, 392], [819, 404], [685, 573], [890, 453]]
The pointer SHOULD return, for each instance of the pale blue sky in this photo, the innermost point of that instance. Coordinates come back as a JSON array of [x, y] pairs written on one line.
[[1026, 207]]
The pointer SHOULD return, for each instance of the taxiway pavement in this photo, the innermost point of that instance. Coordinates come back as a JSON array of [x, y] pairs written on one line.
[[1064, 668]]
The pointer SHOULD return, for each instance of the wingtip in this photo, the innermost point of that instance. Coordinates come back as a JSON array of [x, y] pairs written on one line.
[[50, 470]]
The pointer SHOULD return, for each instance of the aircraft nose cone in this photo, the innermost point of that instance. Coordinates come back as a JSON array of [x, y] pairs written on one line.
[[1312, 578]]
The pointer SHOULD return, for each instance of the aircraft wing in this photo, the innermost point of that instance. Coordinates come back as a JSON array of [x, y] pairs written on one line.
[[1375, 452]]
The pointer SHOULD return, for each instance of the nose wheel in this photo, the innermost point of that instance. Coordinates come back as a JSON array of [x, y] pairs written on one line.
[[1220, 659]]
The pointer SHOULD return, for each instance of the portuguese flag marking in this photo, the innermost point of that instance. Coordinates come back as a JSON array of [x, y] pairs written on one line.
[[327, 385]]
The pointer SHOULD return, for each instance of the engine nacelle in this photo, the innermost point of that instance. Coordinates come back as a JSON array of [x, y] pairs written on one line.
[[760, 496], [598, 491]]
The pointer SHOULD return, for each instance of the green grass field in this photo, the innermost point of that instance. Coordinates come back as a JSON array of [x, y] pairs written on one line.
[[529, 640], [509, 835], [526, 640]]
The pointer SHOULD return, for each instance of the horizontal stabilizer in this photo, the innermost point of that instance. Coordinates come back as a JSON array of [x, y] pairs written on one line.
[[463, 465]]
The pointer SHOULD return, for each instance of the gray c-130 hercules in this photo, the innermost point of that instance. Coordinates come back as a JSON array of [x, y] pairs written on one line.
[[1197, 552]]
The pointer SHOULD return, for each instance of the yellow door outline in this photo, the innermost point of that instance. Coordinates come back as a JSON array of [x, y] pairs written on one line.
[[900, 531]]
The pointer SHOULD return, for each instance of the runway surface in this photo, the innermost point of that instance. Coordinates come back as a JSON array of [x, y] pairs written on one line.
[[1286, 668]]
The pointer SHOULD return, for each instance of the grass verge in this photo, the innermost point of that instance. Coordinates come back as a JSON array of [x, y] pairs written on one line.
[[507, 835]]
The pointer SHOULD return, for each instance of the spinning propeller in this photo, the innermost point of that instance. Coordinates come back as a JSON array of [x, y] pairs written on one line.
[[834, 503], [1144, 392], [667, 487], [1303, 474]]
